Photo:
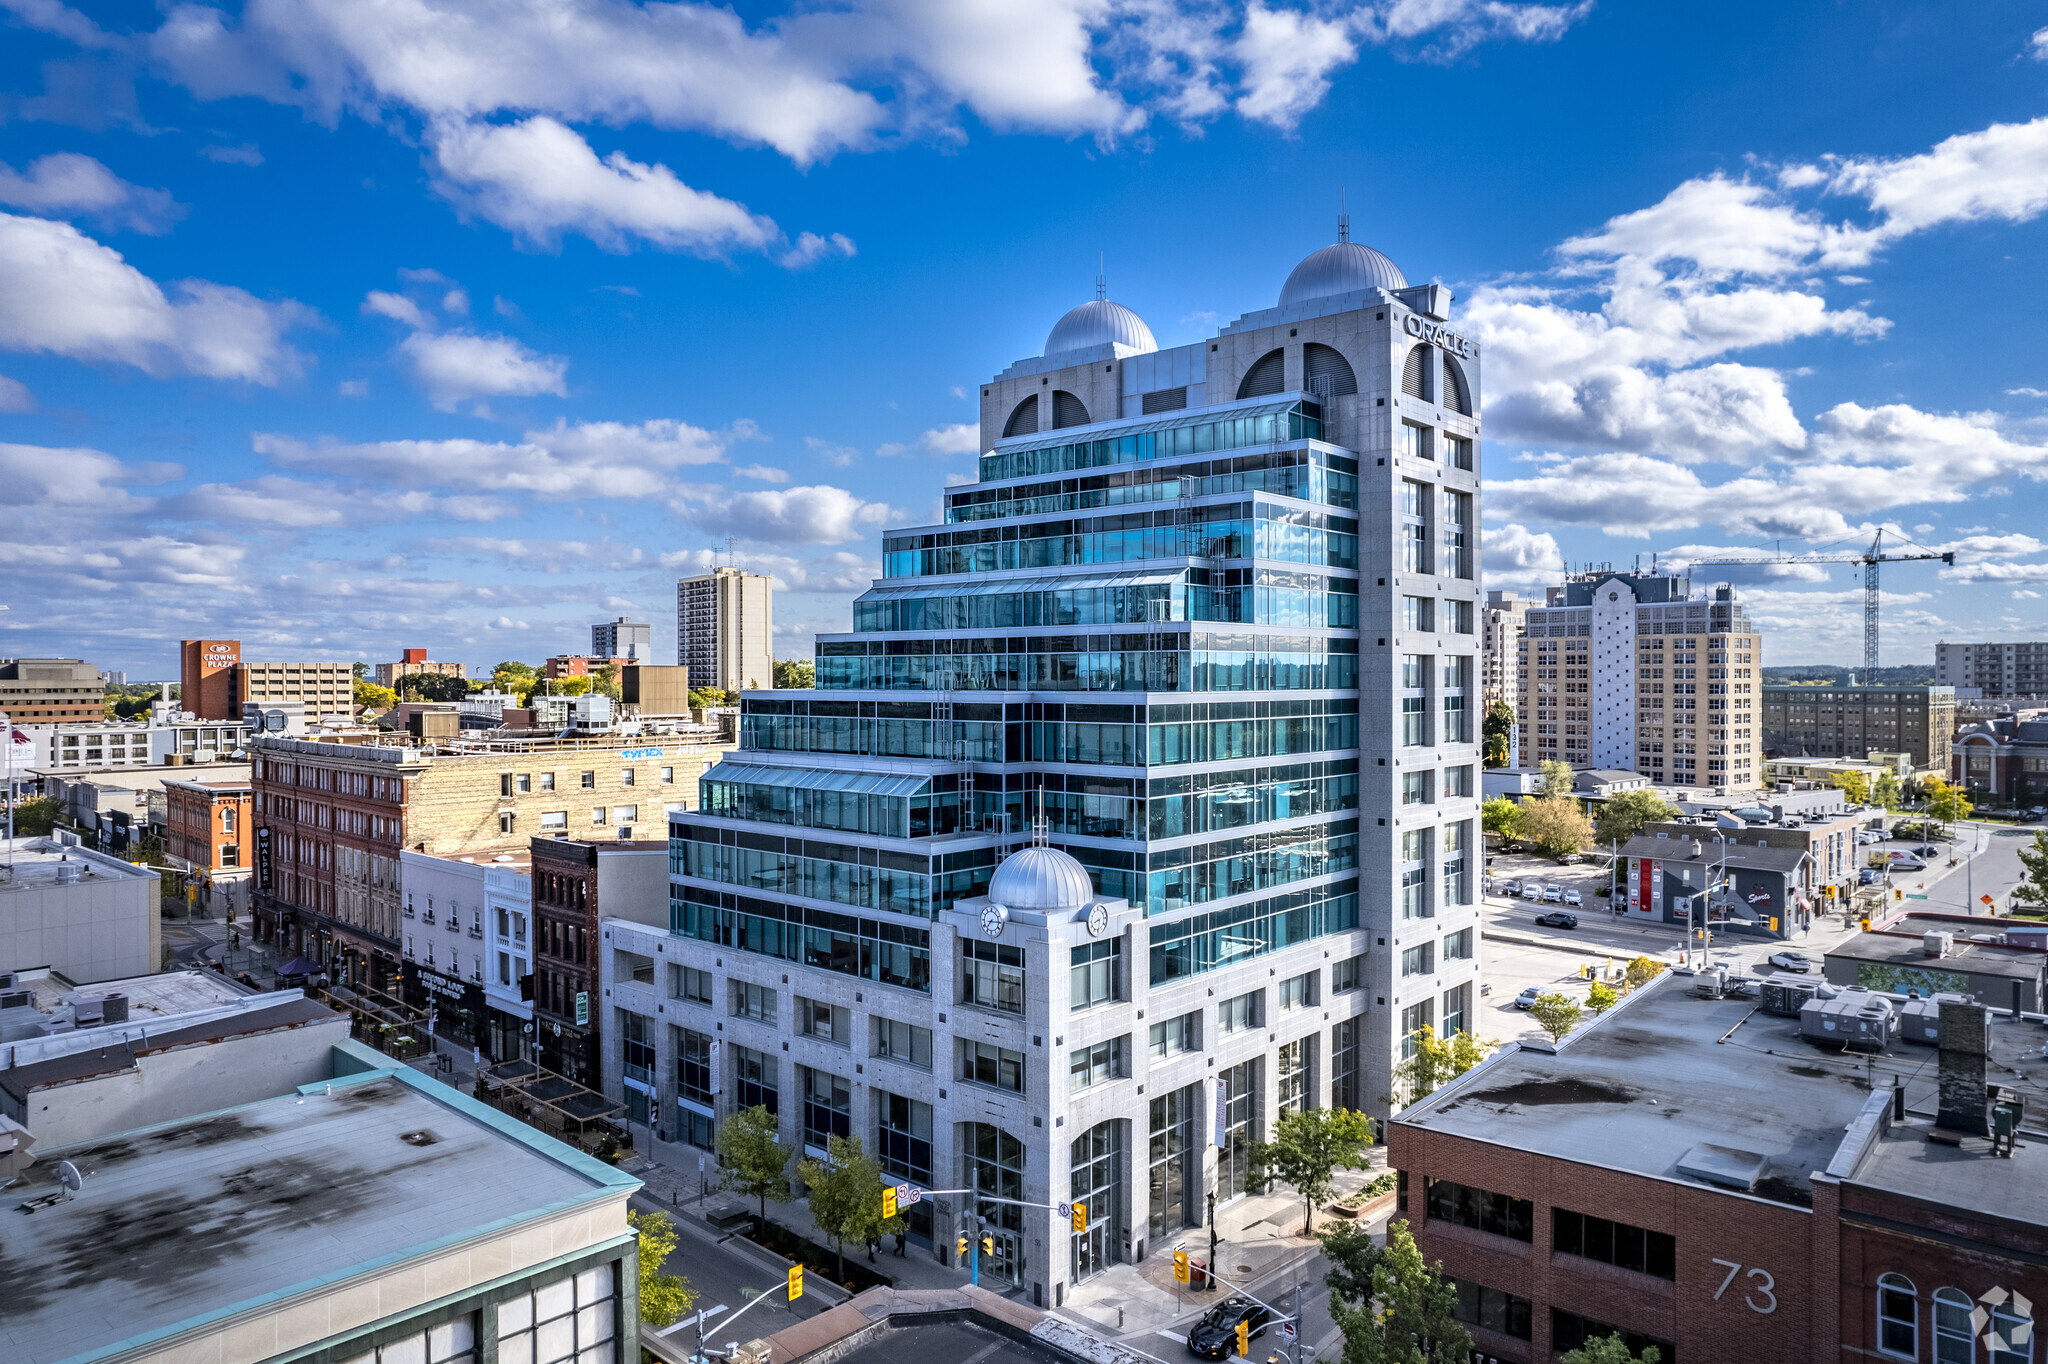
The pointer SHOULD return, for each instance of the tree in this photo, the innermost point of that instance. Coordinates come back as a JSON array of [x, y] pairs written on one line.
[[1641, 972], [1612, 1350], [754, 1163], [1945, 802], [371, 697], [1886, 793], [845, 1192], [604, 680], [1392, 1306], [1307, 1150], [565, 686], [1501, 816], [516, 677], [664, 1298], [1622, 816], [1855, 786], [708, 698], [1556, 1014], [1495, 730], [2033, 887], [1555, 824], [359, 670], [1558, 779], [1601, 997], [1436, 1062], [36, 816], [432, 687], [795, 674]]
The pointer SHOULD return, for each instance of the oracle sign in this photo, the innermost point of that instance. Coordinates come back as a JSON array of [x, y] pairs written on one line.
[[1438, 335]]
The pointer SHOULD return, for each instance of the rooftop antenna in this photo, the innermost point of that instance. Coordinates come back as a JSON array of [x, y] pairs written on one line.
[[1343, 217], [1101, 276], [1041, 829]]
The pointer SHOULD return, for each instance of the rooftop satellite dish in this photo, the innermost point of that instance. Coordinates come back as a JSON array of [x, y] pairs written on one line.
[[69, 1177]]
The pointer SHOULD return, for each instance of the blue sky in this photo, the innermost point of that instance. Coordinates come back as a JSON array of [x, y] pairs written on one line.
[[341, 326]]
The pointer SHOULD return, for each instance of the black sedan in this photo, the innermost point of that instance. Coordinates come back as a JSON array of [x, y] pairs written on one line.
[[1557, 918], [1215, 1335]]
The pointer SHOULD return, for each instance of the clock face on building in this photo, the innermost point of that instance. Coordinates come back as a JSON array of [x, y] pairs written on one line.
[[1098, 921], [992, 920]]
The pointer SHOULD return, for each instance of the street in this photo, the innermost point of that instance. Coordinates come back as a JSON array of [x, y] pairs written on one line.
[[1276, 1290]]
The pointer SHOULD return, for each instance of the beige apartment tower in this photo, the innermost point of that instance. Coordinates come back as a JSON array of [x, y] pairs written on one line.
[[725, 623]]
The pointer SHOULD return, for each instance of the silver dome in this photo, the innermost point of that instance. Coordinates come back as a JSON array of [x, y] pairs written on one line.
[[1341, 268], [1098, 321], [1041, 879]]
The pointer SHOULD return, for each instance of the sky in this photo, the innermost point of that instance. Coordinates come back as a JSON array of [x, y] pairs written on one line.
[[345, 326]]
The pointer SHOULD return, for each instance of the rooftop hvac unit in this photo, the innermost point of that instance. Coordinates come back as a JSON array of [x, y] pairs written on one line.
[[6, 980], [1785, 998], [67, 873], [17, 999], [1855, 1019], [115, 1008], [1936, 944], [1920, 1019]]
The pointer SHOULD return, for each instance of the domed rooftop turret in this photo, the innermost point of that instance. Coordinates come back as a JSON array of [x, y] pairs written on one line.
[[1342, 268], [1040, 878], [1098, 321]]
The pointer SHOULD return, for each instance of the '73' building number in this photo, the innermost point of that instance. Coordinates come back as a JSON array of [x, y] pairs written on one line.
[[1749, 1297]]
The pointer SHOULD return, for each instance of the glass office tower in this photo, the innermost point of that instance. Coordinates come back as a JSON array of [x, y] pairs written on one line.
[[1206, 618]]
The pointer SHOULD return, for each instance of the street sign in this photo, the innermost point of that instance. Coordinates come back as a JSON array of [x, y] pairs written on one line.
[[908, 1195], [1286, 1330], [582, 1008], [1066, 1210]]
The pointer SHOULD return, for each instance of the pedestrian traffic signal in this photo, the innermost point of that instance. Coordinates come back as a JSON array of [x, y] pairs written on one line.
[[1244, 1337], [1080, 1217], [1180, 1266], [888, 1200], [796, 1282]]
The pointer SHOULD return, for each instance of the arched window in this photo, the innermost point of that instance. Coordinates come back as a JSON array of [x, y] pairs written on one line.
[[1955, 1339], [1898, 1316], [1269, 375], [1415, 372], [1067, 410], [1457, 396], [1329, 373], [1023, 420], [2011, 1340], [227, 821]]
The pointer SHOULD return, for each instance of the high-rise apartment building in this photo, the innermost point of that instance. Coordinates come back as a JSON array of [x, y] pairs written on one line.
[[51, 690], [1632, 672], [1852, 722], [415, 663], [725, 628], [623, 639], [2014, 668], [1501, 618], [1208, 614]]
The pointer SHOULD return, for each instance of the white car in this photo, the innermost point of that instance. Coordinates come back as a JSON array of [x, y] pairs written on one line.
[[1532, 891], [1792, 961], [1553, 895], [1869, 837], [1571, 897]]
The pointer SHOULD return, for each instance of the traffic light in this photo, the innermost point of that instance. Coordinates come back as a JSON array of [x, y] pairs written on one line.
[[1180, 1266], [963, 1248], [796, 1282], [1080, 1217], [988, 1246], [1244, 1337], [1774, 923], [888, 1200]]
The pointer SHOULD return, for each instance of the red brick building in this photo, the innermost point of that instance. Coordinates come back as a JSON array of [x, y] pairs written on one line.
[[2006, 758], [1688, 1172], [574, 882], [208, 685], [207, 824]]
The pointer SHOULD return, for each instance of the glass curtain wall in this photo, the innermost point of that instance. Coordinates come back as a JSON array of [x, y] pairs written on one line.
[[1097, 1180], [1240, 1126], [1175, 1161], [995, 1162]]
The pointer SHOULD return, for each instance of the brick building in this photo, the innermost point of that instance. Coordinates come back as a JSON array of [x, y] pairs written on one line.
[[2006, 758], [1688, 1172], [46, 690], [574, 882], [414, 662], [207, 824], [332, 819], [1837, 722], [215, 682]]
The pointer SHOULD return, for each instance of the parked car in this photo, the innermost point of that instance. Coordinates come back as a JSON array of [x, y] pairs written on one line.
[[1792, 961], [1571, 897], [1508, 888], [1529, 996], [1929, 851], [1907, 862], [1870, 836], [1553, 895], [1215, 1335], [1531, 891], [1869, 876], [1557, 918], [1569, 860]]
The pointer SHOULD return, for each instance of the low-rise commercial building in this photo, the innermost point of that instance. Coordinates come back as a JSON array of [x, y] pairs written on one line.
[[207, 825], [1958, 956], [1836, 722], [106, 745], [83, 914], [648, 690], [1713, 886], [468, 947], [2006, 758], [576, 884], [415, 663], [48, 690]]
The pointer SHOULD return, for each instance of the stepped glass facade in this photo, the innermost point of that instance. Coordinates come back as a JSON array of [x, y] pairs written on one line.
[[1207, 621]]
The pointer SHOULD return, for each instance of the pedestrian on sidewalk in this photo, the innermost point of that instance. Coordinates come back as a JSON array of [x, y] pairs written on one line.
[[874, 1244], [899, 1246]]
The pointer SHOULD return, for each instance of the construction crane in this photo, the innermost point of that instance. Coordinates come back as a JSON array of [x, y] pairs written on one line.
[[1870, 559]]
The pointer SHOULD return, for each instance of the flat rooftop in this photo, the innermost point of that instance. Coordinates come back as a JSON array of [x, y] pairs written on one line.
[[1965, 1177], [38, 863], [202, 1218], [1976, 958], [1666, 1073]]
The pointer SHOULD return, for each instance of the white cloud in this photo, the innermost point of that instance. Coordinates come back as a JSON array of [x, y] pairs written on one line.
[[1997, 173], [456, 301], [1726, 412], [1287, 57], [64, 293], [15, 396], [273, 500], [457, 365], [810, 248], [397, 307], [814, 515], [244, 154], [837, 571], [1514, 555], [539, 179], [66, 184], [961, 439], [2037, 46], [839, 456], [762, 473], [1446, 29]]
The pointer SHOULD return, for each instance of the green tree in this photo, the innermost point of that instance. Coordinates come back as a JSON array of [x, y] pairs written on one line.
[[1622, 816], [664, 1298], [1558, 779], [1307, 1150], [1945, 802], [1556, 1014], [1393, 1306], [754, 1163], [359, 670], [604, 680], [1556, 824], [845, 1191], [1495, 730], [1501, 816], [795, 674], [431, 687], [514, 676], [1437, 1061], [1640, 972], [1601, 997], [1855, 786], [1612, 1350], [2033, 887], [1886, 793], [36, 816], [371, 697], [707, 698]]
